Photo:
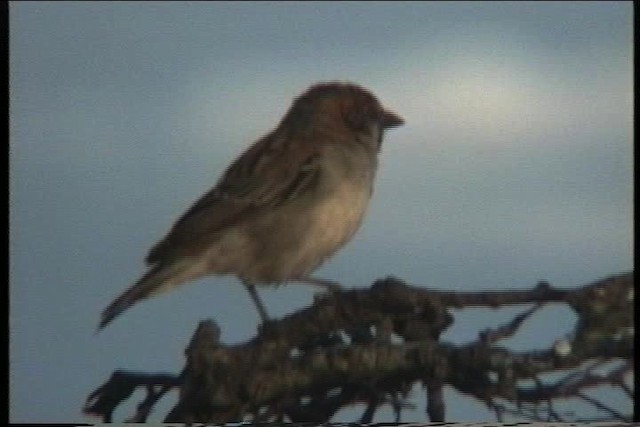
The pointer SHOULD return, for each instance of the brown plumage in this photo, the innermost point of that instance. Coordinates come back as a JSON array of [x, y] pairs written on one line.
[[287, 203]]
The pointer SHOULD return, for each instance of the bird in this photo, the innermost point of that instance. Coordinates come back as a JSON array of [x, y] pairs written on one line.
[[284, 206]]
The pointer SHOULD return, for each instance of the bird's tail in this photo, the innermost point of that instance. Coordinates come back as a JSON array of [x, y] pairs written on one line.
[[159, 279]]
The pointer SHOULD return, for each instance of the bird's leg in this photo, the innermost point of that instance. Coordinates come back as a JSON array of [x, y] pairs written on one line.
[[329, 285], [251, 288]]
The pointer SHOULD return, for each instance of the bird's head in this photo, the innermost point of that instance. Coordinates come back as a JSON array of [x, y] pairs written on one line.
[[342, 106]]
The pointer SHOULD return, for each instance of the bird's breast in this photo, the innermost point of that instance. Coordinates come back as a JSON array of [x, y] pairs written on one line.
[[343, 196], [335, 219], [296, 237]]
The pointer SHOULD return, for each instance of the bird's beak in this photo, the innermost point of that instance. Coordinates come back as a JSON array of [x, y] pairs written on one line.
[[390, 120]]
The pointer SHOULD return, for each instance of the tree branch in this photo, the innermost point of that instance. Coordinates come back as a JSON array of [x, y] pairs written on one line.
[[340, 351]]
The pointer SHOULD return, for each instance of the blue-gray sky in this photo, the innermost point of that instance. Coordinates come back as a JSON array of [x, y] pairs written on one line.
[[515, 163]]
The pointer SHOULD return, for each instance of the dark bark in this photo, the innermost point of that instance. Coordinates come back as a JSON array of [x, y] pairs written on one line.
[[371, 345]]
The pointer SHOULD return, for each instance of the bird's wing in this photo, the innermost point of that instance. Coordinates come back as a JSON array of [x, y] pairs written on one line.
[[275, 169]]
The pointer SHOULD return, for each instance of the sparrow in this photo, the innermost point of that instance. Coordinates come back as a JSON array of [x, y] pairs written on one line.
[[289, 202]]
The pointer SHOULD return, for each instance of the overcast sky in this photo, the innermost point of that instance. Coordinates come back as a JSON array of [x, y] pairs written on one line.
[[514, 165]]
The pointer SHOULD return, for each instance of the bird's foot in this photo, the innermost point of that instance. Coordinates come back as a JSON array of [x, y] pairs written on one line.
[[329, 285]]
